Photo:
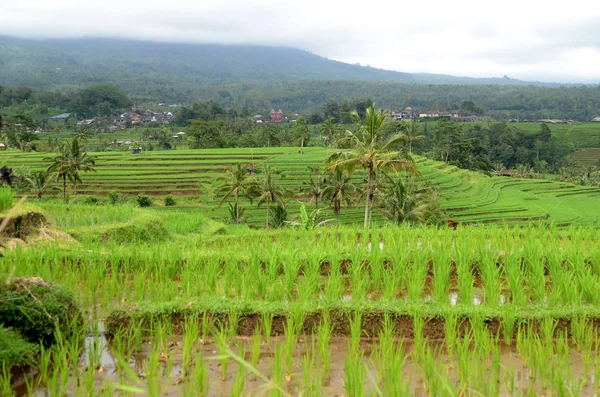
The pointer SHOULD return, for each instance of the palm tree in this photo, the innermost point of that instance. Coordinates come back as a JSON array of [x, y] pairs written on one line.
[[370, 153], [71, 160], [328, 130], [268, 191], [412, 134], [237, 182], [339, 190], [39, 182], [315, 185], [524, 170], [405, 202]]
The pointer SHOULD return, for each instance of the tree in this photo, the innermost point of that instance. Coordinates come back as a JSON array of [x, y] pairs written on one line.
[[314, 187], [39, 182], [71, 160], [205, 134], [406, 202], [412, 134], [269, 191], [99, 100], [370, 153], [301, 133], [339, 190], [328, 131], [237, 182]]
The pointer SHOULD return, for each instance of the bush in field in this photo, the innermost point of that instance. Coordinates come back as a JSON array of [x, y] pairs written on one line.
[[92, 200], [115, 198], [6, 198], [15, 350], [36, 309], [144, 201], [169, 201], [279, 218], [236, 213]]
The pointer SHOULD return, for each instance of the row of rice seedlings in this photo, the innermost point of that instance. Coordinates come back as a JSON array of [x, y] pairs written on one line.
[[472, 363], [103, 276]]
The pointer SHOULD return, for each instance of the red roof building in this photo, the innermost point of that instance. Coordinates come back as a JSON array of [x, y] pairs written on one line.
[[276, 115]]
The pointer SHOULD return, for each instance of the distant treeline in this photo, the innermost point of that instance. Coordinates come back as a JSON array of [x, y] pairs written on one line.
[[309, 97]]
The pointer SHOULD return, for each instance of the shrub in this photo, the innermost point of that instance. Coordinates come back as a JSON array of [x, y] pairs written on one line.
[[14, 350], [144, 201], [91, 200], [115, 198], [36, 309], [169, 201], [279, 217], [6, 198]]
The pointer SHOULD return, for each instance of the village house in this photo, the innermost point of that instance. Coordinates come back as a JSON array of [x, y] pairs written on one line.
[[404, 115], [276, 115]]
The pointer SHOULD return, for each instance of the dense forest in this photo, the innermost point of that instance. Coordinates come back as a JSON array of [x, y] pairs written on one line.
[[255, 77]]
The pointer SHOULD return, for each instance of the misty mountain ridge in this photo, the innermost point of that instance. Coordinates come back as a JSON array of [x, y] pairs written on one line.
[[131, 64]]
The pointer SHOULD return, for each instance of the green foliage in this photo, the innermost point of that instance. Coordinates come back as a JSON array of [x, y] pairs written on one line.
[[169, 201], [300, 133], [143, 201], [14, 350], [68, 164], [99, 100], [37, 309], [279, 218], [92, 200], [143, 229], [316, 184], [309, 220], [405, 201], [371, 153], [6, 198], [236, 213], [39, 182], [269, 191], [115, 198], [339, 190]]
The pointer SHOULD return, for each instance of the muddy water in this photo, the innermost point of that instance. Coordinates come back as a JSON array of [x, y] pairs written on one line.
[[515, 375]]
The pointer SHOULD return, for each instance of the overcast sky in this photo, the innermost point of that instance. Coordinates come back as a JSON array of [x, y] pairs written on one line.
[[542, 40]]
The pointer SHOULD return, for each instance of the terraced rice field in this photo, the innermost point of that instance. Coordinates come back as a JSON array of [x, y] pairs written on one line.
[[586, 157], [397, 311], [466, 196]]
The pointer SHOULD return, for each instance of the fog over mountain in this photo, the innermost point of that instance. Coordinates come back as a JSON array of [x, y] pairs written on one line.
[[533, 40]]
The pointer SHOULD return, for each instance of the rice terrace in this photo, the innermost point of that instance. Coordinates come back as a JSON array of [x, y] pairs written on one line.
[[289, 237]]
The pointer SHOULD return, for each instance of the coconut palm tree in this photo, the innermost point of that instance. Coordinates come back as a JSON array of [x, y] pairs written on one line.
[[328, 130], [39, 182], [405, 202], [339, 190], [269, 191], [370, 153], [314, 187], [71, 160], [237, 182], [411, 132]]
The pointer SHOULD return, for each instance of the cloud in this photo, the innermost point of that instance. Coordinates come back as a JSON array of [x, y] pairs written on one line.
[[531, 39]]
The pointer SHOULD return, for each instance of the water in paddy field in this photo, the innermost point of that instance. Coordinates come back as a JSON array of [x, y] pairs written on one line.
[[516, 375]]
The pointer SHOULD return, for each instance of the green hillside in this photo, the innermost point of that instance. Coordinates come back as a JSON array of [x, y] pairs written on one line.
[[259, 77], [468, 197]]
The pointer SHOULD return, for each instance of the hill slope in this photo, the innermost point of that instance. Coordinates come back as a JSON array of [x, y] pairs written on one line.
[[52, 63]]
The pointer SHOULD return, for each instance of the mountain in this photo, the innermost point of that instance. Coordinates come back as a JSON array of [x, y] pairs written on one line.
[[135, 65]]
